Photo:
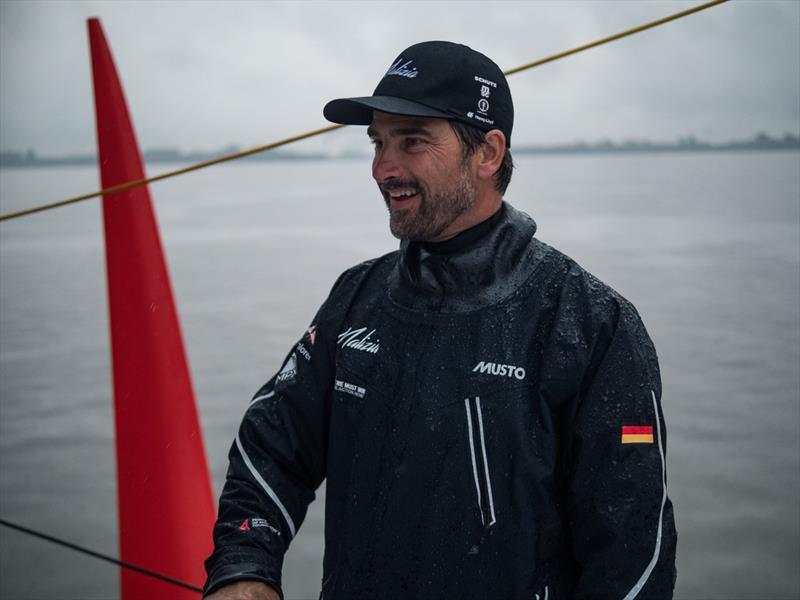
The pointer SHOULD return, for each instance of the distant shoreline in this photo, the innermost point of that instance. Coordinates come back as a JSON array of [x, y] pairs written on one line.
[[761, 142]]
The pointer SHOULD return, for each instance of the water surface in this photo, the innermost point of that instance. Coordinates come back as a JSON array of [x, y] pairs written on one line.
[[706, 246]]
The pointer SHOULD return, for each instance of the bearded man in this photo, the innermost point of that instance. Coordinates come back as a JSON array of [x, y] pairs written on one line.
[[485, 412]]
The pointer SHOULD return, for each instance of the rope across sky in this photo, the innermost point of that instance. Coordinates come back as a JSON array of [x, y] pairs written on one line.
[[132, 184]]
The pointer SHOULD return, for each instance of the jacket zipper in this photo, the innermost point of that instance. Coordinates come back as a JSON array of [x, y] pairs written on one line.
[[480, 462]]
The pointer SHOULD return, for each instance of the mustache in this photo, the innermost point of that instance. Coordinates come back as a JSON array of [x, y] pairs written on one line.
[[399, 184]]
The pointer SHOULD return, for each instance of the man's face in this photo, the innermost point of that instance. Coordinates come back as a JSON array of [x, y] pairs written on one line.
[[420, 170]]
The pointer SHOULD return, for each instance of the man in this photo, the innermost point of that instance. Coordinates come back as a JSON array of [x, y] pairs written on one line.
[[486, 413]]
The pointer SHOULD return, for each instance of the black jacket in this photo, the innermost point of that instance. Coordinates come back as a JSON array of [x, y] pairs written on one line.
[[486, 414]]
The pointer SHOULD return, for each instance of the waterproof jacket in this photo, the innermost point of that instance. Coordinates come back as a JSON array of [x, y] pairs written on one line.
[[487, 417]]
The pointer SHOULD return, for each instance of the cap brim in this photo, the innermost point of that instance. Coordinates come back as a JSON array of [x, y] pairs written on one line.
[[358, 111]]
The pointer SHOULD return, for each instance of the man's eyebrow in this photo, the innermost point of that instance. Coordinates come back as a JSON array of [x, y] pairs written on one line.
[[414, 130], [410, 130]]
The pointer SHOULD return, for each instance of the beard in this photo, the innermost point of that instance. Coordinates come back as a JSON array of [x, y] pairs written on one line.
[[434, 212]]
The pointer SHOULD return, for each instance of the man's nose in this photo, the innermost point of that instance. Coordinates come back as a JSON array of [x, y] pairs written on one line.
[[385, 165]]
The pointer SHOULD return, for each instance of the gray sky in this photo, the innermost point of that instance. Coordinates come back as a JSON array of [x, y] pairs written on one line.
[[203, 75]]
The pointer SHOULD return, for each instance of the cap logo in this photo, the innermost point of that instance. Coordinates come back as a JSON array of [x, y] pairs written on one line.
[[483, 101], [402, 70]]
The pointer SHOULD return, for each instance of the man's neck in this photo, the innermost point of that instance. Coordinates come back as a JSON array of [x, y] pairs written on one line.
[[483, 208], [466, 237]]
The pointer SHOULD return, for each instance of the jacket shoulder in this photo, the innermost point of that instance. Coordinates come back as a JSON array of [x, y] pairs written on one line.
[[594, 318], [351, 284], [576, 285], [357, 275]]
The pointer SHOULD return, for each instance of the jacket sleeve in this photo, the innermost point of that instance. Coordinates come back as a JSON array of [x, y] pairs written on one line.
[[620, 517], [277, 461]]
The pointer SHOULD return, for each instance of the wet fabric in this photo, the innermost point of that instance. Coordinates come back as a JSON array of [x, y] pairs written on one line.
[[468, 409]]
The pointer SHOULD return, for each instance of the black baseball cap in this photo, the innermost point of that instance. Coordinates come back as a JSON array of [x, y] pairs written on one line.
[[436, 79]]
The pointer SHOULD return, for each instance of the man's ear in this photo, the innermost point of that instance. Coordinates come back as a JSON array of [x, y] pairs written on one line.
[[491, 154]]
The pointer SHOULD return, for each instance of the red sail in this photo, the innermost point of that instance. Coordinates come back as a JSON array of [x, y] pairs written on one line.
[[166, 508]]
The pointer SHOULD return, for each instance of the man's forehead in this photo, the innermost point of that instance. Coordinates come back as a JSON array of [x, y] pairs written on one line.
[[387, 124]]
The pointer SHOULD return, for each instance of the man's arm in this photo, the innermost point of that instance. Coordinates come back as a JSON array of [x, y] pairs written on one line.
[[277, 461], [621, 519]]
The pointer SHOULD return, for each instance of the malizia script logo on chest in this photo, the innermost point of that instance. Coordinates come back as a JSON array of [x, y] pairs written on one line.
[[359, 339]]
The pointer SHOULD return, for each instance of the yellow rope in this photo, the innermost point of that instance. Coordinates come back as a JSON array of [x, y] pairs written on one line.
[[617, 36], [131, 184], [137, 182]]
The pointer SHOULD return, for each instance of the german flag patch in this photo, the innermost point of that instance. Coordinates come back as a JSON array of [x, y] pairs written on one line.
[[637, 434]]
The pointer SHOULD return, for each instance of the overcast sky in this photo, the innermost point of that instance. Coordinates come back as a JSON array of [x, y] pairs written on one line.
[[203, 75]]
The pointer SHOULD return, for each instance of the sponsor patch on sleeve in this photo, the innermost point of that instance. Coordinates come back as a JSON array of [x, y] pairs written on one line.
[[637, 434], [254, 523], [289, 370]]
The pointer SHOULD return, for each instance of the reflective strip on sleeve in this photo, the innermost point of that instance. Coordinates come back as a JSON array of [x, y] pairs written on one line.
[[265, 486], [262, 397], [643, 579]]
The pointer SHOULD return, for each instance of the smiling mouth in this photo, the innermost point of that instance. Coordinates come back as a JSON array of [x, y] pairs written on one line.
[[401, 197]]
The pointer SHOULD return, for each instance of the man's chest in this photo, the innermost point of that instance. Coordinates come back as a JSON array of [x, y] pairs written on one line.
[[437, 359]]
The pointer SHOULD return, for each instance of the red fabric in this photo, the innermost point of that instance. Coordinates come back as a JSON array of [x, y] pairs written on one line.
[[637, 430], [166, 508]]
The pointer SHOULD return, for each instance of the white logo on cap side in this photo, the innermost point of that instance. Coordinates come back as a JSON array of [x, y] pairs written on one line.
[[402, 70], [486, 81]]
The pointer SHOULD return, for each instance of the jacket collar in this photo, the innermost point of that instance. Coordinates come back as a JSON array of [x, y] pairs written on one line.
[[479, 267]]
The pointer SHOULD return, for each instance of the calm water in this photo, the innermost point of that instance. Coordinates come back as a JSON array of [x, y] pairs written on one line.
[[707, 247]]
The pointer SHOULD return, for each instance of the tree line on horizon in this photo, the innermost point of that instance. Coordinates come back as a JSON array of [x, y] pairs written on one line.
[[760, 141]]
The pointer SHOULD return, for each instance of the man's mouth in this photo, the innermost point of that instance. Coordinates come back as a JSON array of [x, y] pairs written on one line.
[[401, 197]]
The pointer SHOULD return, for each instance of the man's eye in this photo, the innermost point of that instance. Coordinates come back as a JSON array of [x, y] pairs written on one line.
[[376, 143], [411, 142]]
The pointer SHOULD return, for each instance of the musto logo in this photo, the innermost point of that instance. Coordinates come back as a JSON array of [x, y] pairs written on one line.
[[490, 368]]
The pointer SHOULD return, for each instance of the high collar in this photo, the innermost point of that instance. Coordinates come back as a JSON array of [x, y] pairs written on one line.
[[479, 267], [467, 237]]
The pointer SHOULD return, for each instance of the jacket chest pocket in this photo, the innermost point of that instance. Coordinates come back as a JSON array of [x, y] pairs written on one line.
[[493, 442], [481, 472]]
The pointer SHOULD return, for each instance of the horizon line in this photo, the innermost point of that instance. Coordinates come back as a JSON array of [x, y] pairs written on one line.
[[759, 140]]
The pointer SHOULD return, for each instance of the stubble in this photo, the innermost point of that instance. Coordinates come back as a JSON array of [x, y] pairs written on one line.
[[434, 212]]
